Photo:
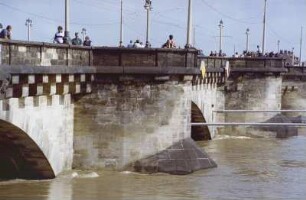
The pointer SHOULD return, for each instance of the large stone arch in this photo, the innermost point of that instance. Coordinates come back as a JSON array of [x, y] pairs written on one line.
[[198, 133], [20, 156]]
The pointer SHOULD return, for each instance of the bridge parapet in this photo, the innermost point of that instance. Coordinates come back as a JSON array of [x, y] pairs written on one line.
[[43, 54], [47, 54], [246, 64]]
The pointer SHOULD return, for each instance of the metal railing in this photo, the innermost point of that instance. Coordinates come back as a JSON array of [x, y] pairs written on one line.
[[250, 123], [257, 111]]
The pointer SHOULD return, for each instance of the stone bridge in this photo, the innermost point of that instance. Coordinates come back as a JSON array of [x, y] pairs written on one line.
[[64, 107]]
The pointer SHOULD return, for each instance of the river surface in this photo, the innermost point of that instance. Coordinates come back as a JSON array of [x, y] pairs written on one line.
[[249, 168]]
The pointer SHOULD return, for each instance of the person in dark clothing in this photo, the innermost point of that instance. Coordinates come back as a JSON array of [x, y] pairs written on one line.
[[87, 42], [76, 40], [6, 33]]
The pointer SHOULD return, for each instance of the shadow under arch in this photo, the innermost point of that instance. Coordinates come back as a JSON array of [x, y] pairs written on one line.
[[198, 133], [20, 157]]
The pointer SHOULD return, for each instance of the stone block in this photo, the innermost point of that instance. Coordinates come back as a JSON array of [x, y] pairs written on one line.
[[15, 79]]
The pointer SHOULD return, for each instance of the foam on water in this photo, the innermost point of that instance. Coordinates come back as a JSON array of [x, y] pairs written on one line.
[[224, 137]]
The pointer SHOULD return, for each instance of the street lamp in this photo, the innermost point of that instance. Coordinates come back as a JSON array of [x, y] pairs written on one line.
[[148, 7], [293, 57], [121, 24], [67, 22], [29, 24], [247, 39], [301, 44], [221, 26], [189, 25], [83, 32], [264, 29]]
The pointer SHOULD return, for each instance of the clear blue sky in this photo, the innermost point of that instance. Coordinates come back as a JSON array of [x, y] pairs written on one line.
[[101, 19]]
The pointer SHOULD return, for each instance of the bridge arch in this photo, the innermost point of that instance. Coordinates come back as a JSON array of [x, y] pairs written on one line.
[[20, 156], [198, 133]]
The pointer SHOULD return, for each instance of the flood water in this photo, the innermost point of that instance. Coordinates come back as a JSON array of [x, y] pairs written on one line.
[[249, 168]]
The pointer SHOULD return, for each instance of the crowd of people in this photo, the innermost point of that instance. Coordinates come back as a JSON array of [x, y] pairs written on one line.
[[59, 38], [170, 43], [272, 54], [215, 54], [255, 54]]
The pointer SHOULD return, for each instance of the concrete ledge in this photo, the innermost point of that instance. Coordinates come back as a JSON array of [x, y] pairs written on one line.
[[184, 157], [20, 69], [259, 70]]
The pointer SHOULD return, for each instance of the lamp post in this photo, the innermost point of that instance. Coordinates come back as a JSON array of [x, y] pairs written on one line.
[[293, 57], [247, 39], [121, 24], [221, 26], [264, 29], [189, 25], [301, 44], [148, 7], [278, 44], [29, 24], [83, 32], [67, 22]]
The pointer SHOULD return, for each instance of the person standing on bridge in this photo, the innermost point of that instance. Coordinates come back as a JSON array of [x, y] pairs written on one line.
[[76, 40], [87, 42], [6, 33], [170, 43], [59, 36]]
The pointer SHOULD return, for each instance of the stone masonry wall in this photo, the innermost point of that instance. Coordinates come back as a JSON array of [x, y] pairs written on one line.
[[205, 96], [251, 92], [48, 121], [122, 122], [42, 54], [294, 96]]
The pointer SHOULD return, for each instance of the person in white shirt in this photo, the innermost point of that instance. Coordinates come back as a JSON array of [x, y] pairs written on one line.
[[130, 45], [137, 44], [59, 36]]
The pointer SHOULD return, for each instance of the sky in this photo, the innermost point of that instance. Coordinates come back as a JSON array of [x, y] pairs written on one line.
[[101, 18]]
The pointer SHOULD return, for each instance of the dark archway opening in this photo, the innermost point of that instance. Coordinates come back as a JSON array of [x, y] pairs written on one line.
[[20, 157], [198, 133]]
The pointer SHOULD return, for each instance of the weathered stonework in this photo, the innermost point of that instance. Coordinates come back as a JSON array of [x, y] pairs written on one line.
[[43, 54], [139, 106], [121, 123], [251, 92], [48, 122]]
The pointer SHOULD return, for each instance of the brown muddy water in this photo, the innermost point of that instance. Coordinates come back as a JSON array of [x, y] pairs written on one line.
[[249, 168]]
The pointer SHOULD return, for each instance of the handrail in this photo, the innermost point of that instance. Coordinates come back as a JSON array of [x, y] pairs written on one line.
[[248, 124], [256, 111]]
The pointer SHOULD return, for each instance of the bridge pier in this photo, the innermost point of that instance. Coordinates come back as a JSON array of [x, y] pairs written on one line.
[[250, 92], [127, 119]]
